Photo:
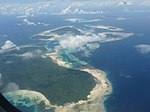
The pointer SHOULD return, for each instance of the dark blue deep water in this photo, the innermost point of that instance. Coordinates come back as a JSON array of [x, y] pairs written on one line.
[[127, 69]]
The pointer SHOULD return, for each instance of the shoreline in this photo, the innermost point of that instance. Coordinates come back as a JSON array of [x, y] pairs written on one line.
[[93, 103], [95, 100]]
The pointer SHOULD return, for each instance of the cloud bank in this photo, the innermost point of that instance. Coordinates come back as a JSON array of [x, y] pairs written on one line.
[[11, 87], [77, 11], [77, 20], [125, 3], [30, 55], [52, 7], [8, 45], [121, 19], [74, 42], [143, 48], [85, 44], [79, 43], [26, 21]]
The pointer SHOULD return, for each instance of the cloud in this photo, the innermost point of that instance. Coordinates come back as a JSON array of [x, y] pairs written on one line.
[[82, 20], [0, 76], [146, 3], [121, 19], [24, 10], [8, 45], [27, 22], [122, 3], [75, 42], [41, 23], [75, 8], [61, 7], [30, 55], [1, 80], [85, 44], [125, 76], [143, 48], [68, 10], [4, 35], [51, 7], [11, 87], [8, 62], [79, 43]]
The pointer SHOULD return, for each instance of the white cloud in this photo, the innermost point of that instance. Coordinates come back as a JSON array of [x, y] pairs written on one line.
[[75, 8], [125, 3], [3, 35], [0, 76], [8, 45], [11, 87], [30, 55], [27, 55], [146, 3], [121, 19], [42, 23], [69, 6], [82, 20], [86, 42], [68, 10], [143, 48], [8, 62], [125, 76], [80, 43], [26, 21], [75, 42], [1, 80], [24, 10]]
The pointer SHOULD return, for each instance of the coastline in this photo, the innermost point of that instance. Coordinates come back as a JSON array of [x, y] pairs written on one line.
[[96, 98], [93, 103]]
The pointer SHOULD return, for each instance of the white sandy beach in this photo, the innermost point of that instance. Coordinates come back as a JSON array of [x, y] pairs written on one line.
[[95, 99]]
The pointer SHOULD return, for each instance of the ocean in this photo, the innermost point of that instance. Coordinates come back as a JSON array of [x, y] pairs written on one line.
[[127, 69]]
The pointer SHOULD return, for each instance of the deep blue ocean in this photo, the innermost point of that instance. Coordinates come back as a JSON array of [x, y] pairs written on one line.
[[127, 69]]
